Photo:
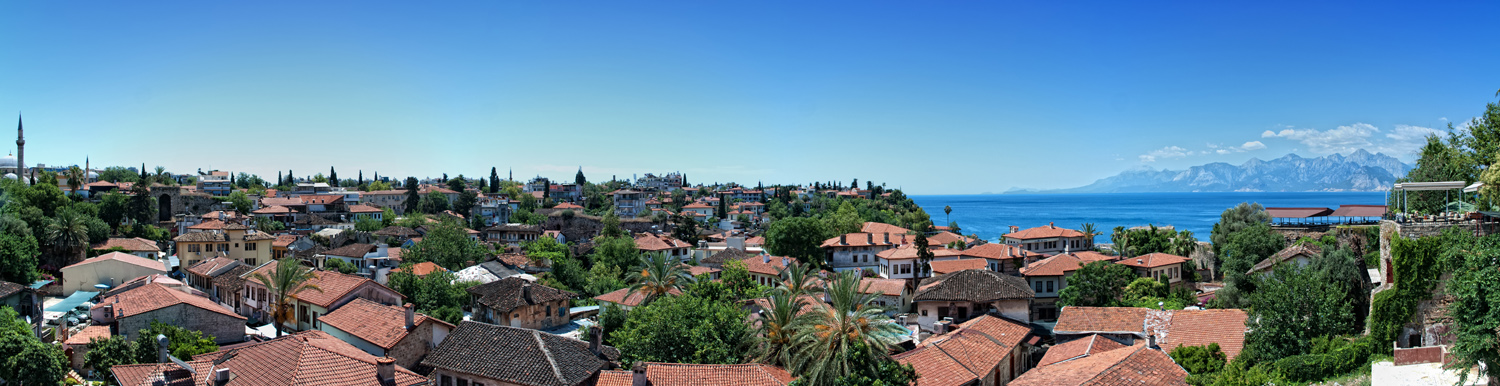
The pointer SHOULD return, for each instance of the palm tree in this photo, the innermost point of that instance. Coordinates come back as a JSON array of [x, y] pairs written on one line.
[[1089, 232], [658, 276], [1121, 240], [69, 235], [1184, 244], [778, 327], [843, 334], [75, 179], [287, 279], [947, 209], [797, 278], [161, 174]]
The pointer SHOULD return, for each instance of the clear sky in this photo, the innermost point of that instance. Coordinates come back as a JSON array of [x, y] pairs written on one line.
[[933, 97]]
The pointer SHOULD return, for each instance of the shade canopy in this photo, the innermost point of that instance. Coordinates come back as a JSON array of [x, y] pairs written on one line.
[[1360, 211], [1298, 212], [1474, 187], [1444, 185]]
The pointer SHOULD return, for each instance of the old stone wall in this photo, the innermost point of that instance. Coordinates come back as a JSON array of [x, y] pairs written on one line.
[[582, 226], [414, 347], [224, 329]]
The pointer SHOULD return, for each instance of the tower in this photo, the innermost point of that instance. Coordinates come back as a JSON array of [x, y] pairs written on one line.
[[20, 147]]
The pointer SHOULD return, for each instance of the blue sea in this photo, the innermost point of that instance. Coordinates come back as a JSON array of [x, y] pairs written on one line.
[[992, 215]]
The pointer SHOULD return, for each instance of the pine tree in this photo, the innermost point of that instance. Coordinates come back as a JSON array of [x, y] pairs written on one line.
[[494, 180], [279, 181], [412, 197], [333, 177], [578, 179], [143, 172], [361, 177], [291, 179]]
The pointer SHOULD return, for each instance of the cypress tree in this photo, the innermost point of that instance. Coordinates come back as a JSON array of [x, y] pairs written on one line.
[[333, 177], [494, 180], [361, 177]]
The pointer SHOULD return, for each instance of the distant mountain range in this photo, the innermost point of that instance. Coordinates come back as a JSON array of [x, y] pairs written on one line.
[[1359, 171]]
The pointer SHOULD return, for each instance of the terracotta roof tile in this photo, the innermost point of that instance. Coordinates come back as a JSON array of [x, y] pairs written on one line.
[[950, 266], [423, 268], [628, 298], [283, 241], [1291, 251], [124, 258], [615, 378], [309, 358], [944, 238], [683, 374], [1137, 365], [864, 239], [335, 285], [1074, 319], [936, 367], [7, 289], [1153, 260], [1058, 265], [379, 324], [877, 227], [650, 242], [154, 296], [355, 250], [207, 267], [1078, 348], [133, 244], [88, 334], [909, 252], [887, 287], [272, 209], [1201, 327], [1009, 333], [1043, 232]]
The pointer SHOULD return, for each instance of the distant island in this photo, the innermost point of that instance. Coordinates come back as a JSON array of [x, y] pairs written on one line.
[[1358, 171]]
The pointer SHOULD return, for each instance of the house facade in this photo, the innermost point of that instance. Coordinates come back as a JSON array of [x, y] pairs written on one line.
[[1048, 239], [517, 302], [398, 332], [234, 241], [970, 293]]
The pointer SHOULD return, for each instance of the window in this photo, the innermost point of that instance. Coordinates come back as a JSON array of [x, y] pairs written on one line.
[[250, 262], [302, 313], [942, 312], [447, 381], [193, 248], [224, 247], [236, 245], [549, 310], [1049, 285], [924, 312], [463, 382], [1037, 286], [249, 246]]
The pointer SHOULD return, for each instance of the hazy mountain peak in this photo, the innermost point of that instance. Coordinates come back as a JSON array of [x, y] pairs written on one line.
[[1359, 171]]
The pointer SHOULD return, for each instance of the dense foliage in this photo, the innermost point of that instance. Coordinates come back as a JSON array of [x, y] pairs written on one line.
[[436, 294], [447, 243], [1096, 284], [684, 329]]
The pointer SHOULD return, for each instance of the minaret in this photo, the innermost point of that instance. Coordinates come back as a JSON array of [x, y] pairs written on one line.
[[20, 147]]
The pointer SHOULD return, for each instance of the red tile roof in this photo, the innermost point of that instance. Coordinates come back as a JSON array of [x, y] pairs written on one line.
[[1043, 232], [568, 205], [1078, 348], [944, 238], [868, 239], [886, 287], [282, 201], [766, 264], [1074, 319], [123, 258], [335, 285], [361, 208], [1058, 265], [995, 251], [1008, 333], [935, 367], [423, 268], [650, 242], [309, 358], [1153, 260], [322, 199], [154, 296], [1137, 365], [909, 252], [615, 378], [207, 267], [284, 240], [379, 324], [133, 244], [273, 209], [947, 266], [683, 374], [1199, 328], [89, 334]]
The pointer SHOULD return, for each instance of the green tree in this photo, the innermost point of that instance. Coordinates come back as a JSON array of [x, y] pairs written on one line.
[[1199, 359], [413, 199], [736, 278], [114, 208], [286, 280], [924, 255], [1235, 219], [105, 353], [447, 243], [68, 237], [603, 279], [618, 252], [433, 202], [340, 265], [1475, 310], [778, 327], [799, 238], [1241, 250], [368, 225], [18, 261], [611, 223], [844, 336], [1096, 284], [438, 294], [658, 275], [686, 229], [684, 329], [845, 220], [37, 364], [240, 203], [1289, 308]]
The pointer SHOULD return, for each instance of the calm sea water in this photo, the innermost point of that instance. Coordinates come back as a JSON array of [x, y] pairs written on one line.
[[991, 215]]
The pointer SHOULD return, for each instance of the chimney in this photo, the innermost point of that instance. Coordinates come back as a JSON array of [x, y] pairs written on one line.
[[526, 291], [161, 349], [411, 317], [385, 369], [1049, 225], [764, 258], [221, 376], [1014, 229], [843, 239], [638, 375], [596, 334], [1151, 342]]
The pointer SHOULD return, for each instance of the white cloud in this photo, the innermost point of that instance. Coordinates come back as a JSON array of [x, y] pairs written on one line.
[[1444, 119], [1343, 139], [1166, 152], [1252, 145]]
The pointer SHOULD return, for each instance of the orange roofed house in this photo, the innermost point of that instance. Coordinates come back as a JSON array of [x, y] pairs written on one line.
[[309, 305], [1048, 277], [1048, 239], [1170, 328], [133, 310], [684, 374], [387, 331], [311, 358], [1140, 364], [970, 293], [985, 351], [1158, 266]]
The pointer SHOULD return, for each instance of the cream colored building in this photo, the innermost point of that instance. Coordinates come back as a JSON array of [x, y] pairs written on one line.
[[249, 246], [109, 269]]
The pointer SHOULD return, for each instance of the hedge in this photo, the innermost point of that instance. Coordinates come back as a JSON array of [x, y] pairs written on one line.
[[1316, 367]]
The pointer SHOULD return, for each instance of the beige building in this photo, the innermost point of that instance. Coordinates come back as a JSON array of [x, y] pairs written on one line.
[[1048, 239], [518, 302], [249, 246], [110, 269]]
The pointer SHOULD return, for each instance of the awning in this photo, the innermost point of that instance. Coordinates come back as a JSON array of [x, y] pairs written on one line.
[[1298, 212], [1444, 185], [1360, 211], [77, 298], [1473, 188]]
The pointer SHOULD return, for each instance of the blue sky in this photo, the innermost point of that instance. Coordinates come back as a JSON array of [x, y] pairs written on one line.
[[936, 98]]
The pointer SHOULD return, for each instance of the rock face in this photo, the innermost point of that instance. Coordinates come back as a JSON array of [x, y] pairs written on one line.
[[1358, 171]]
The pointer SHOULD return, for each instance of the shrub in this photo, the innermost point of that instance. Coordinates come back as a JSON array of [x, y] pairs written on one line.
[[1199, 359]]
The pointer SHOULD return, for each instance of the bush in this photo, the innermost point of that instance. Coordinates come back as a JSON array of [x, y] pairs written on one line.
[[1199, 359], [1344, 357]]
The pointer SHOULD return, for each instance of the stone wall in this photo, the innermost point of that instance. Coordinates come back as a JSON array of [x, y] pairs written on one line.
[[414, 347], [582, 226], [1411, 356], [224, 329]]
